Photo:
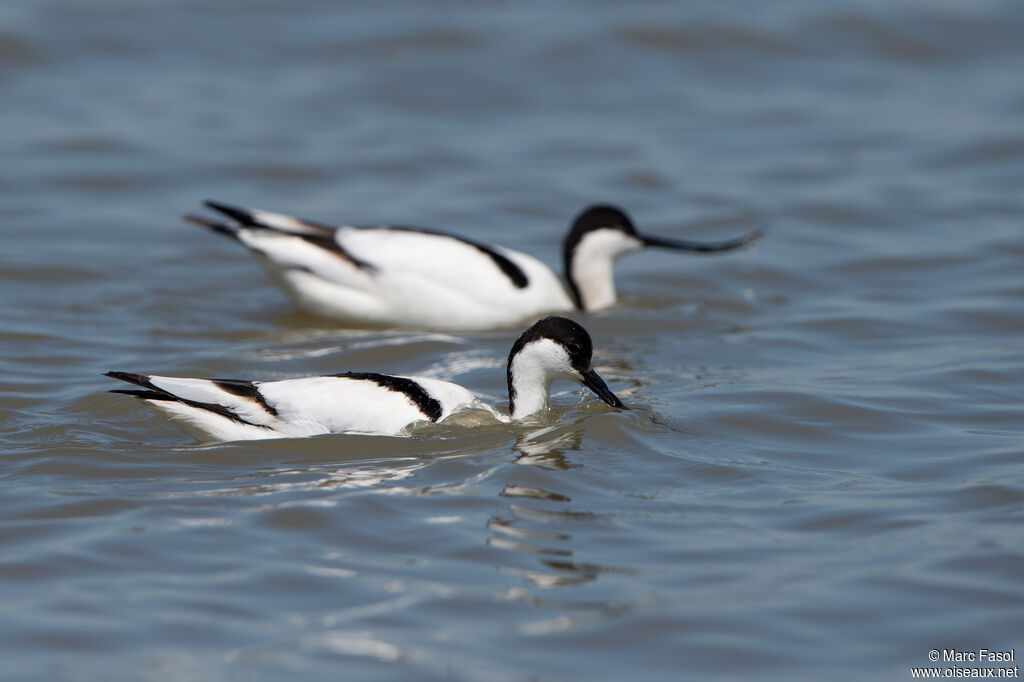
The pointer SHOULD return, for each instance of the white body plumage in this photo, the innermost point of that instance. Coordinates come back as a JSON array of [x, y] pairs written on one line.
[[406, 278]]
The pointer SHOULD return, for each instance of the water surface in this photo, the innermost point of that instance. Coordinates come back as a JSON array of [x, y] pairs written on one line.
[[821, 475]]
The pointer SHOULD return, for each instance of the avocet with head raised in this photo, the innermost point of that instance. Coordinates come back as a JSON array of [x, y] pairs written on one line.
[[412, 277], [369, 403]]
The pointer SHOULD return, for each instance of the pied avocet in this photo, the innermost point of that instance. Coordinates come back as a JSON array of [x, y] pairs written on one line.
[[368, 403], [410, 277]]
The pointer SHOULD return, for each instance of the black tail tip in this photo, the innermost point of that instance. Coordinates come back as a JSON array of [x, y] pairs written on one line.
[[130, 377], [240, 214], [215, 226], [141, 394]]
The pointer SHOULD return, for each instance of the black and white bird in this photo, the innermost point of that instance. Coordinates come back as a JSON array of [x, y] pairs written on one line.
[[369, 403], [392, 276]]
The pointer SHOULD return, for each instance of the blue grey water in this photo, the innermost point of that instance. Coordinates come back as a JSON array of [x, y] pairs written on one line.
[[822, 475]]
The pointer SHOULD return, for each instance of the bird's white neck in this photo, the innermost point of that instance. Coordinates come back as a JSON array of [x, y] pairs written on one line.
[[530, 374], [590, 266]]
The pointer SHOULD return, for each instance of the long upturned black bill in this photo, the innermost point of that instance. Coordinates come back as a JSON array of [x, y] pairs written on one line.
[[595, 383], [703, 247]]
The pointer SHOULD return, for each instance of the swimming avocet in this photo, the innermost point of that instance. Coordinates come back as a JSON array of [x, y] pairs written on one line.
[[419, 278], [368, 403]]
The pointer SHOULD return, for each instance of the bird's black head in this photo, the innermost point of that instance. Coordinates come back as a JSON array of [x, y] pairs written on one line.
[[566, 333], [598, 217]]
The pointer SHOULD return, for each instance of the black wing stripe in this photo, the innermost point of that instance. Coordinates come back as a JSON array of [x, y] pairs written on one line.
[[329, 244], [424, 402], [246, 389], [505, 264]]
